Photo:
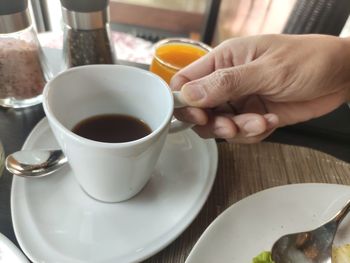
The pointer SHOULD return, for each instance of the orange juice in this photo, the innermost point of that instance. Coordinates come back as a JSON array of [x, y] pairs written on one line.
[[173, 54]]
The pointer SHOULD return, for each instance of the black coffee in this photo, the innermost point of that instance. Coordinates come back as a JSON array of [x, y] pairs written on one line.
[[112, 128]]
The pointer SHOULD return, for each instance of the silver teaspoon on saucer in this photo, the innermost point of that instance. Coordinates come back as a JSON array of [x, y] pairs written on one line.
[[314, 246], [35, 163]]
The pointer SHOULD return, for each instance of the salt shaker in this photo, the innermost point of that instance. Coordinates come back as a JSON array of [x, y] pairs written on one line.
[[23, 68], [86, 33]]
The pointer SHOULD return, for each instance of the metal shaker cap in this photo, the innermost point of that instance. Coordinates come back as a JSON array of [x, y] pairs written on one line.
[[14, 16], [85, 14], [8, 7], [85, 5]]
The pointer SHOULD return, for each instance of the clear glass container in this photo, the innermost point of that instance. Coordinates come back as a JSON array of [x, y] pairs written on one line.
[[86, 37], [2, 159], [23, 69], [172, 54], [84, 47]]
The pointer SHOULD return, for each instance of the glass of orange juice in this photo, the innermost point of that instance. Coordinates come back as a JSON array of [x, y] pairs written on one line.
[[172, 54]]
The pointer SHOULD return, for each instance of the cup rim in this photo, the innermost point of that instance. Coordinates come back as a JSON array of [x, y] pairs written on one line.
[[180, 40], [52, 118]]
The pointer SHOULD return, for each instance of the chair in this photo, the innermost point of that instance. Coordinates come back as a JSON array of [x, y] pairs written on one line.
[[318, 16]]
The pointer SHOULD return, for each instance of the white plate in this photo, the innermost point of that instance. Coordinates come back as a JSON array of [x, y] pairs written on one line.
[[251, 225], [55, 221]]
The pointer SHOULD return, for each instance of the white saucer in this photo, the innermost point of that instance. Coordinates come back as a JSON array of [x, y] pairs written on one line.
[[9, 252], [55, 221], [253, 224]]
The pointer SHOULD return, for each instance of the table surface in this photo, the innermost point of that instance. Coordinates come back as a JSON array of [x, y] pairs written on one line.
[[275, 163]]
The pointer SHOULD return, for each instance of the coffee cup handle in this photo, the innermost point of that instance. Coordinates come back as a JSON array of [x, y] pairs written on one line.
[[176, 125]]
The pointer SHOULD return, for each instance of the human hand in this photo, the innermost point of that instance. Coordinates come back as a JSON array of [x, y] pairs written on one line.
[[247, 87]]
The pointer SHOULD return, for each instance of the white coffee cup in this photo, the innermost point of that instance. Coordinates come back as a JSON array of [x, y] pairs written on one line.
[[110, 172]]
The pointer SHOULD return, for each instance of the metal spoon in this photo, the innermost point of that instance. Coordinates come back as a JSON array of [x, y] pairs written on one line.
[[35, 163], [309, 247]]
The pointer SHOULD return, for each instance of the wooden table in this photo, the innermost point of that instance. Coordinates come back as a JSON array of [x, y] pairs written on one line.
[[242, 170], [247, 169]]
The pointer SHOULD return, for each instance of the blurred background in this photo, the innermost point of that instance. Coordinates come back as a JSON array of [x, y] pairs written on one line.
[[210, 20]]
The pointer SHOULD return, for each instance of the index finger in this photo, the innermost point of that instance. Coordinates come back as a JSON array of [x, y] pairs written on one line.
[[198, 69]]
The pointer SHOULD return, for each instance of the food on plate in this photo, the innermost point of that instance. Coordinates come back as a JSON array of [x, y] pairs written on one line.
[[339, 255], [263, 257]]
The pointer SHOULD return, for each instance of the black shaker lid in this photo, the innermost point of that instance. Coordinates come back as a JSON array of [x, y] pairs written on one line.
[[84, 5], [8, 7]]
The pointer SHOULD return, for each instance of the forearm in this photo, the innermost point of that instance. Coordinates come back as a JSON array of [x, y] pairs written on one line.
[[346, 52]]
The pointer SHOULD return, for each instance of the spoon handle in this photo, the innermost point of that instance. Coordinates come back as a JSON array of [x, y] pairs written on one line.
[[342, 213]]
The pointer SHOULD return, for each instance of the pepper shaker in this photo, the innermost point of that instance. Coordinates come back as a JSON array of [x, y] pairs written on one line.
[[86, 33], [23, 68], [2, 159]]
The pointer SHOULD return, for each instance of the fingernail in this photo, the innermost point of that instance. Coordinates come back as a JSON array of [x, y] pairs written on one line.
[[222, 132], [253, 128], [193, 92], [272, 120]]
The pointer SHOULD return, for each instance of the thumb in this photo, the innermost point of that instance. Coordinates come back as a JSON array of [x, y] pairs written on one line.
[[220, 86]]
